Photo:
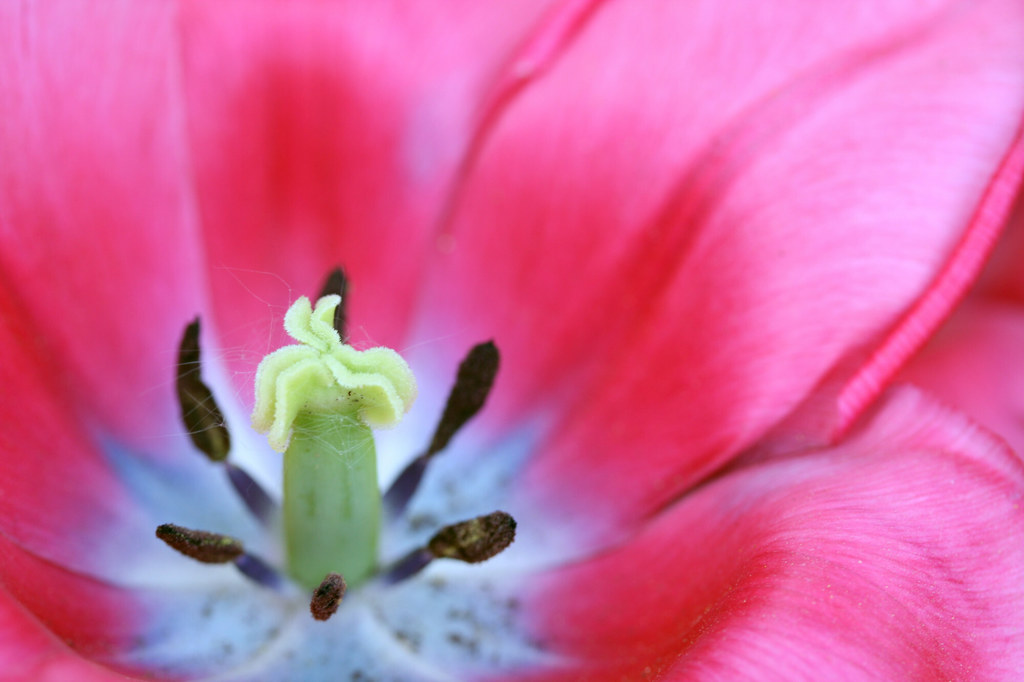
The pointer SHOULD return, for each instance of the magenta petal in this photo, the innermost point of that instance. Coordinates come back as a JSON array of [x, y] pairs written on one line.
[[327, 134], [97, 241], [695, 216], [976, 364], [946, 290], [31, 653], [898, 552], [59, 498], [1003, 277], [95, 619]]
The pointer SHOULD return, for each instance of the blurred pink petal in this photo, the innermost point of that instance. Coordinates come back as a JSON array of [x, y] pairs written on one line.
[[899, 553], [99, 237], [31, 653]]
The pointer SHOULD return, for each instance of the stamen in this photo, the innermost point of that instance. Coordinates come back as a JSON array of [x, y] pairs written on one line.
[[205, 425], [203, 419], [327, 597], [337, 283], [209, 548], [408, 566], [259, 571], [475, 540], [262, 506], [473, 384], [470, 541]]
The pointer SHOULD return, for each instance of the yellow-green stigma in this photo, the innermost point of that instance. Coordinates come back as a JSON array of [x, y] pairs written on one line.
[[321, 375], [316, 401]]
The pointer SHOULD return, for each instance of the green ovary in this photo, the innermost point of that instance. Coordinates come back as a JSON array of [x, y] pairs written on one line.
[[331, 516], [316, 401]]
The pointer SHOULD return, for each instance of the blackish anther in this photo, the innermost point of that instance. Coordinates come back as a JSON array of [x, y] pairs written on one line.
[[327, 597], [209, 548], [203, 419], [475, 540], [337, 283], [472, 385]]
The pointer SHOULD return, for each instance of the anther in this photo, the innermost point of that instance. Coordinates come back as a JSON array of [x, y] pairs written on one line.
[[471, 541], [337, 283], [473, 383], [209, 548], [327, 597], [205, 425], [475, 540], [203, 419]]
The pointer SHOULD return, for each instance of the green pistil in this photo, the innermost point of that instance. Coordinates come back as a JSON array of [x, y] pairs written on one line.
[[316, 401], [331, 499]]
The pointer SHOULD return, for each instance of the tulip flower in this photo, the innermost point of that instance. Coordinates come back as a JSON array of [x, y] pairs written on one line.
[[714, 243]]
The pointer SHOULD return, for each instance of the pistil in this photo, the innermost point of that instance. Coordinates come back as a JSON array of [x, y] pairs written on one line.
[[316, 401], [331, 498]]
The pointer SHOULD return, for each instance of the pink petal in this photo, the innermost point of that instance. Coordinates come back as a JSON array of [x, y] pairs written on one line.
[[30, 653], [977, 365], [897, 554], [96, 620], [948, 287], [700, 212], [326, 134], [97, 243], [59, 496], [1003, 277]]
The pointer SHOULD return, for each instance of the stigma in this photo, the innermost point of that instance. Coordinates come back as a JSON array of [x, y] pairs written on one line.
[[323, 375]]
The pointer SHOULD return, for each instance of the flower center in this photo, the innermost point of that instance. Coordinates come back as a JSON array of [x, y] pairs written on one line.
[[316, 401]]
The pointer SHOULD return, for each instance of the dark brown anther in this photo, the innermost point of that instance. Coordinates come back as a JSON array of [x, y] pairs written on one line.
[[209, 548], [473, 383], [327, 597], [475, 540], [203, 419], [337, 283]]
